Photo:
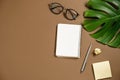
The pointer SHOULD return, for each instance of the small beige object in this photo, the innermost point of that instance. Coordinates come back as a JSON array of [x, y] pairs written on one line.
[[97, 51]]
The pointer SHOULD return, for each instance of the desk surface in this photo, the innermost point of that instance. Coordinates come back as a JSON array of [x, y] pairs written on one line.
[[27, 42]]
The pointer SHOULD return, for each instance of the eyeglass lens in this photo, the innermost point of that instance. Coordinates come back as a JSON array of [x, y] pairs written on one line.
[[56, 8], [70, 14]]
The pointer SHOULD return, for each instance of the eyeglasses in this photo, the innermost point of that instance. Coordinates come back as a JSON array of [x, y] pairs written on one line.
[[57, 8]]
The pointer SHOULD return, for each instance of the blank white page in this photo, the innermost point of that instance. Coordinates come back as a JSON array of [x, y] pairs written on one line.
[[68, 40]]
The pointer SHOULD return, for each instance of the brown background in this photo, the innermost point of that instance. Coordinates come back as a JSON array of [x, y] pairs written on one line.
[[27, 42]]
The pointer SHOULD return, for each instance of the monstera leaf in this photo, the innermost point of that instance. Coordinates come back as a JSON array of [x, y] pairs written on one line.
[[103, 18]]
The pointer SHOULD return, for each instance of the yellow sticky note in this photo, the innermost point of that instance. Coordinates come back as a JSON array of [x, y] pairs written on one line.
[[102, 70]]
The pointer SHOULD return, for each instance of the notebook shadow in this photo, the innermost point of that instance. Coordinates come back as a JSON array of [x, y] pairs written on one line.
[[55, 41]]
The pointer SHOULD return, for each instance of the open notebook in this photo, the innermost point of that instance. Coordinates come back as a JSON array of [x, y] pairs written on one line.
[[68, 40]]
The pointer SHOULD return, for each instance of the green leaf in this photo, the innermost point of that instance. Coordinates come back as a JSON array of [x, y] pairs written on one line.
[[116, 41], [104, 15]]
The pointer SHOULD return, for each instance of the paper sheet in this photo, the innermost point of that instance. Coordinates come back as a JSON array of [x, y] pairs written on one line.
[[102, 70], [68, 40]]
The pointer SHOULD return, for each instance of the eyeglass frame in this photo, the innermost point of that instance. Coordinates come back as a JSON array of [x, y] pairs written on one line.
[[64, 10]]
